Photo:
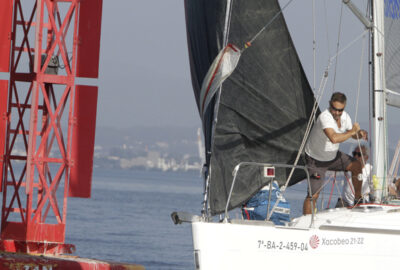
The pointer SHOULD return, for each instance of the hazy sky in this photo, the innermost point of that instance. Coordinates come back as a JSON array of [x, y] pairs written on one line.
[[144, 66]]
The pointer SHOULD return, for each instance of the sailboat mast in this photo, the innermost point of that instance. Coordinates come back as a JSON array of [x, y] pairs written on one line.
[[379, 103]]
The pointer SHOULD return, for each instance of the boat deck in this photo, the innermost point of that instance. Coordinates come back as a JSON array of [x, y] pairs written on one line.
[[361, 217]]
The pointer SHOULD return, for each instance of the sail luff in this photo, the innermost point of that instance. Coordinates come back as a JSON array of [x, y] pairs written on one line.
[[379, 117], [228, 14]]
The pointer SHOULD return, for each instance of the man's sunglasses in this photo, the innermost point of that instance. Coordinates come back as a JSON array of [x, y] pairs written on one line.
[[336, 109]]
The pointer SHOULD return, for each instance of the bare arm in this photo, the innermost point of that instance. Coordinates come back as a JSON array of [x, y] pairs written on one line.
[[341, 137]]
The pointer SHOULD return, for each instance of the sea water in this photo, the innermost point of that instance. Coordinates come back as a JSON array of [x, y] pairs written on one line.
[[127, 219]]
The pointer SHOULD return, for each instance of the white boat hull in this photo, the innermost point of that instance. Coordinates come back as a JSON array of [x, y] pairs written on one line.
[[339, 239]]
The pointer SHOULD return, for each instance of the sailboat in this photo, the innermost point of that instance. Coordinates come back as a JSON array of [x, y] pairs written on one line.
[[255, 122]]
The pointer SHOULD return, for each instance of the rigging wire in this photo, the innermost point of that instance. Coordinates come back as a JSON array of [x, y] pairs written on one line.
[[313, 112], [228, 17], [358, 96], [385, 154], [357, 102], [360, 75], [337, 46], [314, 44], [358, 90], [327, 30], [369, 9], [250, 42]]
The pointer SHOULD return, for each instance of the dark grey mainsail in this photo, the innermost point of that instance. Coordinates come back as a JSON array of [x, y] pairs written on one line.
[[264, 105]]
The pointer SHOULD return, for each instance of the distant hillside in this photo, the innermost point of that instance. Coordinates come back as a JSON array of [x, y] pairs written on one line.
[[179, 139], [184, 139]]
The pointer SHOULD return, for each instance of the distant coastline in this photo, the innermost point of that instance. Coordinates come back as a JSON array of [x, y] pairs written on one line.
[[148, 148]]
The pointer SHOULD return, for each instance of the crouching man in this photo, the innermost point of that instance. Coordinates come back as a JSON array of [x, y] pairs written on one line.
[[332, 127]]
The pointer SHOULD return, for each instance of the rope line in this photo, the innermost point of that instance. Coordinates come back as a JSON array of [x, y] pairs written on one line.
[[358, 99]]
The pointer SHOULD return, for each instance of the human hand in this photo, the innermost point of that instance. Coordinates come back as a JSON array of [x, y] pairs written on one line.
[[363, 134], [356, 128]]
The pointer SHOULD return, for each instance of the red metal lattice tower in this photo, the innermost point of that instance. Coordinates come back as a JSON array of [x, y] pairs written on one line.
[[47, 123]]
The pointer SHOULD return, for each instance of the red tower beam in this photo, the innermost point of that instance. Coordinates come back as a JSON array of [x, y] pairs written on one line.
[[49, 125]]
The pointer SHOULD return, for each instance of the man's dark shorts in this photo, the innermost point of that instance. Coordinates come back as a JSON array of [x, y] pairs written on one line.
[[317, 169]]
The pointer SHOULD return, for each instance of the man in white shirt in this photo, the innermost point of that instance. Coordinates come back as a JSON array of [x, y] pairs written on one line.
[[347, 200], [332, 127]]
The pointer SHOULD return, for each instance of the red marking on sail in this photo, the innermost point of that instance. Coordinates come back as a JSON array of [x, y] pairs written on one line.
[[215, 72]]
